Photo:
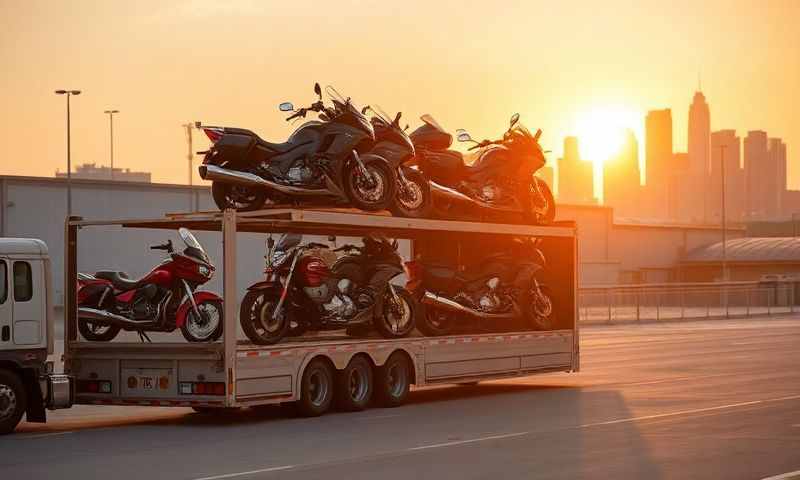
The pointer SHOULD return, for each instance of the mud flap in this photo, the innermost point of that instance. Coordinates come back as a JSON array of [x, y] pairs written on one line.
[[36, 411]]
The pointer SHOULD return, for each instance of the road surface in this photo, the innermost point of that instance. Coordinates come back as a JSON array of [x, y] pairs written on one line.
[[715, 399]]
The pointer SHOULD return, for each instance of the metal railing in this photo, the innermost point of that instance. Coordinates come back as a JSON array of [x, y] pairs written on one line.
[[678, 301]]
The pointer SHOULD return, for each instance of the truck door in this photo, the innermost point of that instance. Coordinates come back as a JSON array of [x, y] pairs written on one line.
[[28, 301], [6, 311]]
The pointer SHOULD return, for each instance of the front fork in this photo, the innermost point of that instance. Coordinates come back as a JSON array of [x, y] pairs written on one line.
[[363, 169], [285, 290], [190, 294]]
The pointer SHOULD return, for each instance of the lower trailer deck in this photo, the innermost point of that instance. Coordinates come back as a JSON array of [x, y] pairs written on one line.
[[235, 373]]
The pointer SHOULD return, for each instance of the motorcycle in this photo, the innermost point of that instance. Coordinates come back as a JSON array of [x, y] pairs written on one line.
[[412, 192], [500, 184], [321, 162], [308, 288], [163, 300], [500, 290]]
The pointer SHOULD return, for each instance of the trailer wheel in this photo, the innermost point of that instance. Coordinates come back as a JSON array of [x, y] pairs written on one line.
[[13, 401], [393, 381], [316, 389], [354, 385]]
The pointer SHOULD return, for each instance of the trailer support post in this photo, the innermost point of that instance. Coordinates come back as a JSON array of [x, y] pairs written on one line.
[[229, 301]]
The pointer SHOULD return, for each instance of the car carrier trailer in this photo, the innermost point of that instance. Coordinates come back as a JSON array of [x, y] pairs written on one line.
[[236, 373]]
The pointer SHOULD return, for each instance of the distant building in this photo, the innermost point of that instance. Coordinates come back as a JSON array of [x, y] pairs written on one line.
[[760, 177], [725, 142], [698, 145], [90, 171], [679, 202], [575, 176], [621, 180], [658, 156], [777, 157]]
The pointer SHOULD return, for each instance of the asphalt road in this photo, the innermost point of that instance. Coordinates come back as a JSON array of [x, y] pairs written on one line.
[[717, 399]]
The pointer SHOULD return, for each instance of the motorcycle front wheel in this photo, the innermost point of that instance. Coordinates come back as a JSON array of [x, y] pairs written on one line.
[[238, 197], [258, 319], [412, 199], [399, 315], [542, 205], [375, 192], [207, 327], [543, 314]]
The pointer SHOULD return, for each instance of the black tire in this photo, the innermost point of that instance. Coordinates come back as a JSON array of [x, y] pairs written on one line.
[[549, 207], [97, 333], [241, 198], [354, 385], [391, 322], [255, 316], [436, 322], [208, 328], [316, 389], [359, 195], [538, 308], [393, 381], [415, 203], [13, 401]]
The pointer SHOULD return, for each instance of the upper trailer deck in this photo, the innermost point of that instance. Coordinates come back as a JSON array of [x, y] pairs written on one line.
[[334, 221]]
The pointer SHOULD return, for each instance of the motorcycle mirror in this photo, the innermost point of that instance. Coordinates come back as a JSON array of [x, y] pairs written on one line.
[[364, 110], [270, 242], [464, 137], [514, 120], [318, 90], [406, 127], [286, 107], [397, 118]]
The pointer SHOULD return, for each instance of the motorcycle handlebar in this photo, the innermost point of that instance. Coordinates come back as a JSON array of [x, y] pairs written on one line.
[[345, 248]]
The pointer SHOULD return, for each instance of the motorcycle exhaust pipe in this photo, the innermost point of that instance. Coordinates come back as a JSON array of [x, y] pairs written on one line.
[[219, 174], [107, 318], [434, 300], [454, 195]]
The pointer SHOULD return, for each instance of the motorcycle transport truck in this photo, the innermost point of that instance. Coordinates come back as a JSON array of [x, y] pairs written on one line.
[[317, 372]]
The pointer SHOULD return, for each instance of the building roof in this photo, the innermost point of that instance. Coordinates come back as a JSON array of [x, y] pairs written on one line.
[[22, 246], [748, 249]]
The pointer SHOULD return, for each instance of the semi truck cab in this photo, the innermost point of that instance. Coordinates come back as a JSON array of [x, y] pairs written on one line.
[[27, 383]]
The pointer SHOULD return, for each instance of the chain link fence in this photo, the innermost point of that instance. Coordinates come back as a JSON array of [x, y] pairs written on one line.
[[685, 301]]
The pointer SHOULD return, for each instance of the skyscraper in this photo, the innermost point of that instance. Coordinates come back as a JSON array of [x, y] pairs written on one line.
[[575, 176], [759, 177], [777, 159], [658, 154], [726, 143], [621, 182], [698, 145]]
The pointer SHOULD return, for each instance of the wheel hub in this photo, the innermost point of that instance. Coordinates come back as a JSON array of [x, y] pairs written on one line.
[[8, 401]]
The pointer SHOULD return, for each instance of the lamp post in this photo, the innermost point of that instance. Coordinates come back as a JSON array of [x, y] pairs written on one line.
[[68, 93], [189, 157], [111, 125]]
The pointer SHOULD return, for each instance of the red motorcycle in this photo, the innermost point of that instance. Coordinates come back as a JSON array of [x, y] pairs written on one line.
[[161, 301]]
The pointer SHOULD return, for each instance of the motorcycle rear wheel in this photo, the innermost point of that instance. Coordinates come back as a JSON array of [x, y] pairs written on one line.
[[240, 198], [256, 318], [436, 322], [97, 333], [367, 197]]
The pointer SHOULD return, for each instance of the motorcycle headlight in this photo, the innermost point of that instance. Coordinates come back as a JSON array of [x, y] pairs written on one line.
[[204, 271], [278, 258]]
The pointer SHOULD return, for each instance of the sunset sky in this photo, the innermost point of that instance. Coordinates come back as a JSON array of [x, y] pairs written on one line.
[[470, 64]]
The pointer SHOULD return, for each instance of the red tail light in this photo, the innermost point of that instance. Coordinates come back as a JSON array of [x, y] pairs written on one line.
[[214, 134]]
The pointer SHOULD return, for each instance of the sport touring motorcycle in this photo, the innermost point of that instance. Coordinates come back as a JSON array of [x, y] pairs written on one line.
[[321, 162], [161, 301], [499, 185], [499, 291], [308, 288]]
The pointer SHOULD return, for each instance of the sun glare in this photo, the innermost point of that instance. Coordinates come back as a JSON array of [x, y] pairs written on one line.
[[601, 130]]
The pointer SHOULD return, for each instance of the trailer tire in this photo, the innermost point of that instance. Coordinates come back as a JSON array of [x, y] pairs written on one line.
[[393, 381], [354, 385], [13, 401], [316, 389]]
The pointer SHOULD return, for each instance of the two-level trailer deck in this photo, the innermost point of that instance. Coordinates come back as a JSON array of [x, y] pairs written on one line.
[[234, 372]]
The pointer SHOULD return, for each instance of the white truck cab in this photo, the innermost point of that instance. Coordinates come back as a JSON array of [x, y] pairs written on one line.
[[27, 384]]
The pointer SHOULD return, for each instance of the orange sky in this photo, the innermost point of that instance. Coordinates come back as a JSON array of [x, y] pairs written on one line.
[[469, 63]]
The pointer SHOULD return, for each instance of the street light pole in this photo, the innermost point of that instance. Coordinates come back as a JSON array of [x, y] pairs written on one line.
[[111, 125], [68, 93], [190, 157]]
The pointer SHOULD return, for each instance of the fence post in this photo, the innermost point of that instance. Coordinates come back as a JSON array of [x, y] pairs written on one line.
[[769, 302], [683, 303], [658, 306], [608, 301], [638, 301], [708, 307], [748, 302]]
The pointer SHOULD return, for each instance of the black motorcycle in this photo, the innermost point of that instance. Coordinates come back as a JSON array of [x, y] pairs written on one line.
[[499, 291], [322, 162], [499, 185], [308, 288], [412, 191]]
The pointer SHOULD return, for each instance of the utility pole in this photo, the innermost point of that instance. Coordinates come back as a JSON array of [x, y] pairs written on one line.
[[189, 157], [111, 125], [69, 93]]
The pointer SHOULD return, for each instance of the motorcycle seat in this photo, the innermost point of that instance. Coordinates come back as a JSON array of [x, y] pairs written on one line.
[[120, 280], [275, 147]]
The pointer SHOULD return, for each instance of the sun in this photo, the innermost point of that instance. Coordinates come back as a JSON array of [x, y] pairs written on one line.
[[601, 131]]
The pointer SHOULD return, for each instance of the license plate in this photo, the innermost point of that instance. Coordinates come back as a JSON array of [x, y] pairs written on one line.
[[147, 383]]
